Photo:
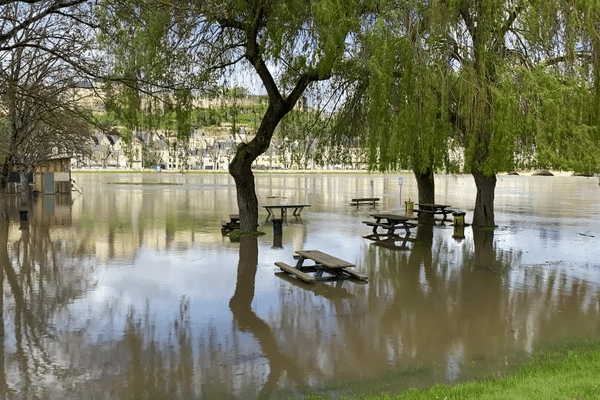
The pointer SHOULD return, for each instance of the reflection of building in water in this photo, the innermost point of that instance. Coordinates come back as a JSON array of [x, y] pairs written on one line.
[[118, 219], [444, 308], [54, 209]]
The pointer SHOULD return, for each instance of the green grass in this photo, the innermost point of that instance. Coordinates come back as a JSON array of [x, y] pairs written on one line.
[[237, 234], [569, 369]]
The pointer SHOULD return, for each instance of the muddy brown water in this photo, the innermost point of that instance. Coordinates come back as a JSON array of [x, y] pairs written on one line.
[[129, 289]]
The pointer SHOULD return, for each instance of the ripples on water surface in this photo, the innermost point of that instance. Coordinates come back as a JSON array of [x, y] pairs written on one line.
[[129, 290]]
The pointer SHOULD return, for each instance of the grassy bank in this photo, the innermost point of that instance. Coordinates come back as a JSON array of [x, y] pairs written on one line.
[[569, 369]]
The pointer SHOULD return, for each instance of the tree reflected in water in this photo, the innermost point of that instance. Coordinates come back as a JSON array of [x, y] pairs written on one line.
[[75, 325], [39, 280], [246, 319]]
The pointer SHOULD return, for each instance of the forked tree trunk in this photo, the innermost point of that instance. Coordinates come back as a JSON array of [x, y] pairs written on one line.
[[483, 215]]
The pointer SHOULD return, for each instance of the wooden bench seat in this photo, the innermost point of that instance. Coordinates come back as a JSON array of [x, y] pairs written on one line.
[[364, 200], [356, 275], [379, 224], [294, 271], [389, 226]]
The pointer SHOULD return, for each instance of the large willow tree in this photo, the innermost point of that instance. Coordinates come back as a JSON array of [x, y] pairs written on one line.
[[398, 107], [523, 95], [513, 83], [288, 45]]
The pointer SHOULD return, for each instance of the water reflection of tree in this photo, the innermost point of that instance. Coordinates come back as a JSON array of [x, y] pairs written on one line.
[[247, 320], [37, 282], [436, 303]]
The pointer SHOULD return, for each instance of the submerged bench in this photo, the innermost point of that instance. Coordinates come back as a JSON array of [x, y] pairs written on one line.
[[433, 209], [364, 200]]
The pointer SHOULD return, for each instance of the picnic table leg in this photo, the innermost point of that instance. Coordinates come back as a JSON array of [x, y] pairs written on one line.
[[299, 263], [407, 229], [319, 271]]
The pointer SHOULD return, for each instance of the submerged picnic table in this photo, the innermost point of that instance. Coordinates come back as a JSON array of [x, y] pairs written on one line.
[[390, 222], [323, 263], [283, 208], [433, 209], [233, 223]]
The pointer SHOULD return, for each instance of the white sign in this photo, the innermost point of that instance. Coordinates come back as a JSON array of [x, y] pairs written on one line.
[[61, 177]]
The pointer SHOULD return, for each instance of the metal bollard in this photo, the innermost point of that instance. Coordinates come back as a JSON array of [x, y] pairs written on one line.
[[277, 226], [277, 233]]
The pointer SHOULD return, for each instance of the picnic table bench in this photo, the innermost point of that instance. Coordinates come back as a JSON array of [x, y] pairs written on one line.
[[284, 208], [364, 200], [323, 263], [433, 209]]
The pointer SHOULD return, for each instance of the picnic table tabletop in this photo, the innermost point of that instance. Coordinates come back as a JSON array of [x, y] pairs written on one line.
[[392, 218], [321, 258], [432, 206]]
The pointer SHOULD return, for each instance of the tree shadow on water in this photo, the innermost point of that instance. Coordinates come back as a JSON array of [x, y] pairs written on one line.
[[246, 319]]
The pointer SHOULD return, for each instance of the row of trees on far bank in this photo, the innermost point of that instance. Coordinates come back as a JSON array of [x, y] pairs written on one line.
[[500, 84]]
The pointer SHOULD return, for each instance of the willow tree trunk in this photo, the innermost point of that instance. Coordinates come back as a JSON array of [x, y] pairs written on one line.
[[483, 215], [426, 191], [426, 186]]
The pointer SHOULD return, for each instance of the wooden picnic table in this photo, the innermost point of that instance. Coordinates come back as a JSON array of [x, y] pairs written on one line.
[[433, 209], [323, 263], [391, 222], [283, 208], [233, 223]]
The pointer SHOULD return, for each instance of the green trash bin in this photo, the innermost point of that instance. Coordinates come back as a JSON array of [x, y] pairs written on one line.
[[459, 217]]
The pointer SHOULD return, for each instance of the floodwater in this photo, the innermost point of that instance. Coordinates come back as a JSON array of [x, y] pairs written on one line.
[[129, 289]]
